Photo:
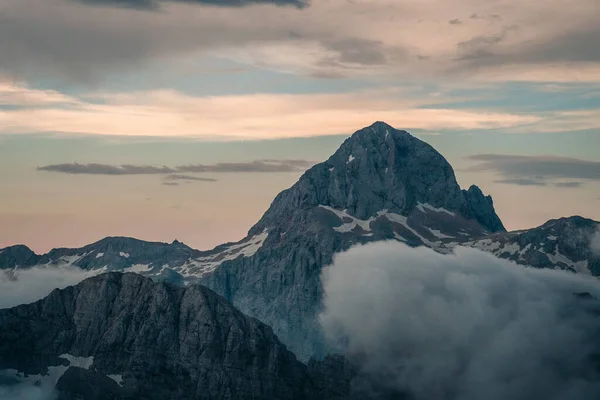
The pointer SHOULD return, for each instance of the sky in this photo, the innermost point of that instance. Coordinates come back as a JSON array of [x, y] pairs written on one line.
[[169, 119]]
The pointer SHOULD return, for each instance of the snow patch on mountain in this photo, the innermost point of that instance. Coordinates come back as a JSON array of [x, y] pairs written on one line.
[[402, 220], [139, 268], [426, 206], [204, 265], [117, 378], [81, 362], [350, 222]]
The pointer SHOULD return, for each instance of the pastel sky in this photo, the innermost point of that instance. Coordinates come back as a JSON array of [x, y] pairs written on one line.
[[173, 119]]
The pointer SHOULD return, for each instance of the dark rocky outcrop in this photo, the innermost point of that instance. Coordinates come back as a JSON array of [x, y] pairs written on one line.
[[163, 341]]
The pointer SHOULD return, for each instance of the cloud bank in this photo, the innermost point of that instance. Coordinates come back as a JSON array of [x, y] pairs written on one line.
[[28, 285], [465, 326]]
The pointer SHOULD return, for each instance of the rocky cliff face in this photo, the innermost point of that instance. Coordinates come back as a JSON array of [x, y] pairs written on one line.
[[123, 336]]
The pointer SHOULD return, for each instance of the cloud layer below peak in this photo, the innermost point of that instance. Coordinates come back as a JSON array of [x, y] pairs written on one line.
[[464, 326]]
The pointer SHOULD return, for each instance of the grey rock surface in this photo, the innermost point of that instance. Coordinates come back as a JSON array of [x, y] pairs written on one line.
[[163, 341]]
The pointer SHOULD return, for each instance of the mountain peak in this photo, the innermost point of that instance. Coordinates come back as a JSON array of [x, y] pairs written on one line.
[[381, 168], [377, 129], [378, 126]]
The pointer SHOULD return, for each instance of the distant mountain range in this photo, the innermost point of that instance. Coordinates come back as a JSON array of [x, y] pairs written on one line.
[[381, 184]]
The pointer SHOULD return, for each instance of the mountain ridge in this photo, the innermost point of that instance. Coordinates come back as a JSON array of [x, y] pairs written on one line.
[[381, 184]]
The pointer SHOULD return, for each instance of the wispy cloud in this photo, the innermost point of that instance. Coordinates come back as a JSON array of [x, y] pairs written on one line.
[[155, 4], [105, 169], [564, 172], [178, 177], [172, 113], [17, 94], [522, 182], [571, 184], [539, 181], [488, 17], [267, 165], [252, 166]]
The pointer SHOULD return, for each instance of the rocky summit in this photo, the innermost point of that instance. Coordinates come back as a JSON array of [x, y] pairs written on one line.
[[381, 184], [123, 336]]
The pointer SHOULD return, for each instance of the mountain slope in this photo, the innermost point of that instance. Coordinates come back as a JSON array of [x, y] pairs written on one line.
[[134, 338]]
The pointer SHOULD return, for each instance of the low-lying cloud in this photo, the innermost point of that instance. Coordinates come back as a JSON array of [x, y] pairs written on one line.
[[25, 390], [465, 326], [266, 165], [28, 285], [538, 170]]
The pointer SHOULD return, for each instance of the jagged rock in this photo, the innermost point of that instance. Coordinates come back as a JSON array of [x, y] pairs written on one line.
[[163, 341]]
